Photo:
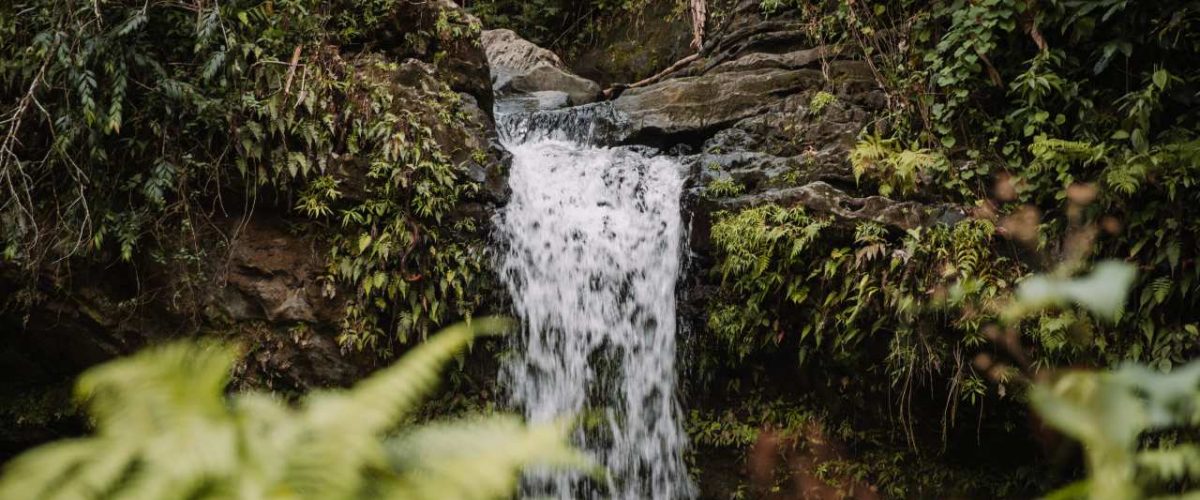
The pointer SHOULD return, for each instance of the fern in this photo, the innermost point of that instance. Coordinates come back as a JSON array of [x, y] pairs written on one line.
[[165, 430], [723, 187], [895, 169], [469, 459]]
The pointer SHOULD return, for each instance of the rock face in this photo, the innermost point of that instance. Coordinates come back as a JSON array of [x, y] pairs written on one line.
[[702, 103], [520, 67], [508, 52], [273, 276], [631, 46], [776, 116]]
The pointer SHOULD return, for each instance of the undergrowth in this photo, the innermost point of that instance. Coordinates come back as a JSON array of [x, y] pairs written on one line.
[[1062, 131], [136, 135]]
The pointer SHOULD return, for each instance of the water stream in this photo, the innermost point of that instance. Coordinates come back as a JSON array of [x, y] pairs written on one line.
[[591, 251]]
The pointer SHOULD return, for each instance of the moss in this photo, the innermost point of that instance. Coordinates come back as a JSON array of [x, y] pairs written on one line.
[[820, 101]]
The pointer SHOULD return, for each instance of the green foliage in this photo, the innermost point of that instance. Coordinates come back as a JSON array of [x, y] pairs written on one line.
[[403, 227], [1044, 98], [1080, 115], [134, 130], [164, 429], [723, 187], [1110, 413], [1132, 422], [820, 101], [897, 170], [963, 53], [758, 245], [787, 276]]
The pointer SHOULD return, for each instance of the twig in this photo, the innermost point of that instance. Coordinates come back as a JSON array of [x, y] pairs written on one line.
[[699, 16], [8, 155], [292, 70]]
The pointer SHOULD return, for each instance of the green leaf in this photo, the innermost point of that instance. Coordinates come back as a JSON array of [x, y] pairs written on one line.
[[1103, 292], [1161, 78]]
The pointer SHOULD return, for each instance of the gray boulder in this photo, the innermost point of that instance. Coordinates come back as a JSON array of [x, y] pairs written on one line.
[[744, 88], [707, 102], [521, 67]]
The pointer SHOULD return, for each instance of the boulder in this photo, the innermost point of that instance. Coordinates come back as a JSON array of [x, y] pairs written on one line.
[[702, 104], [521, 67], [743, 88], [507, 51], [627, 47]]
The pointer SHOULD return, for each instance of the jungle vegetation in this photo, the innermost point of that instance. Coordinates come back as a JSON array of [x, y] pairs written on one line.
[[1068, 128], [134, 130], [1069, 131]]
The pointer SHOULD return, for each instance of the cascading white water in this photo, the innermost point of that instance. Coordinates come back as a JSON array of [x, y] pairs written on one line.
[[592, 240]]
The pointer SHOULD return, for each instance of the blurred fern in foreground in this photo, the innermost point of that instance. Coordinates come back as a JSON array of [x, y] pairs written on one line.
[[1136, 425], [1123, 419], [164, 429]]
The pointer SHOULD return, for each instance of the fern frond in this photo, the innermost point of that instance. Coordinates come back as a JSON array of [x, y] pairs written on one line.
[[1171, 464], [157, 388], [1158, 291], [477, 459], [147, 408], [388, 396], [166, 431], [47, 471], [331, 463]]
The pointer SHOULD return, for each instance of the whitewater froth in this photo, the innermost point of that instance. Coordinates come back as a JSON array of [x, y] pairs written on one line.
[[591, 252]]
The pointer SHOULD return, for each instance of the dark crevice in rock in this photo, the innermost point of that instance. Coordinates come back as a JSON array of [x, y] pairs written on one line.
[[691, 139]]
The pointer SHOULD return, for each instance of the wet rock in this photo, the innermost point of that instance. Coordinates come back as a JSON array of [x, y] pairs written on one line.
[[804, 58], [476, 147], [631, 47], [697, 105], [550, 99], [547, 78], [521, 67], [597, 123], [296, 359]]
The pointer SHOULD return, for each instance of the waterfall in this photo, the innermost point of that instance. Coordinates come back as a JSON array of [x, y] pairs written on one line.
[[591, 243]]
